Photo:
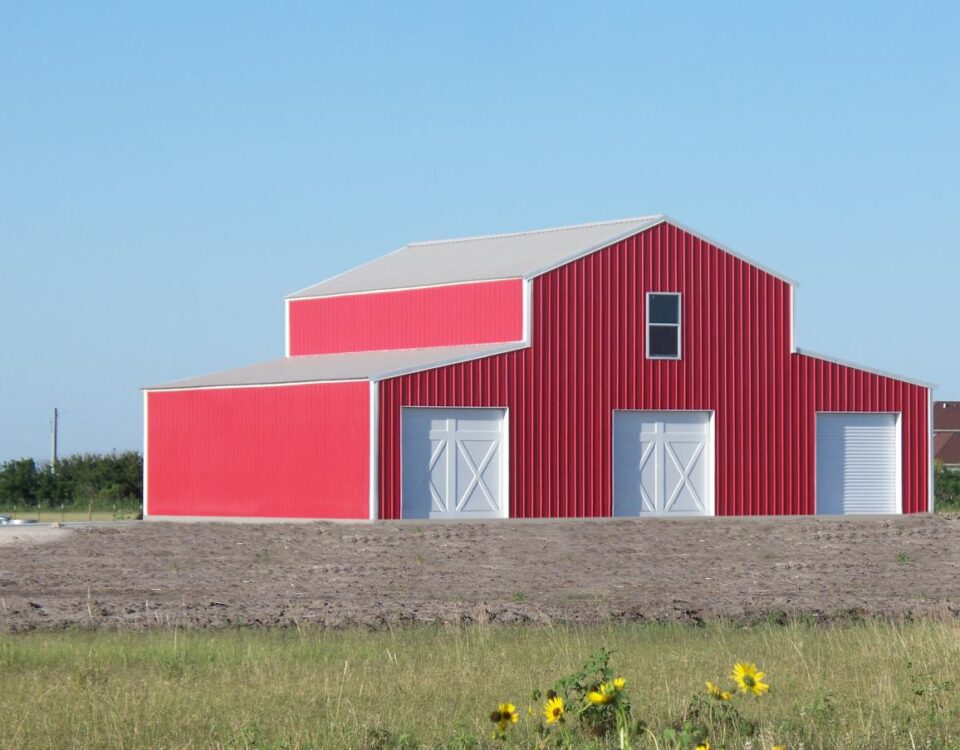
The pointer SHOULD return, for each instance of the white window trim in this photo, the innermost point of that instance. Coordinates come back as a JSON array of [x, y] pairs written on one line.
[[678, 324]]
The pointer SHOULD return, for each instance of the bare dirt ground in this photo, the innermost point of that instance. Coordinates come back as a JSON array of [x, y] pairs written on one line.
[[217, 575]]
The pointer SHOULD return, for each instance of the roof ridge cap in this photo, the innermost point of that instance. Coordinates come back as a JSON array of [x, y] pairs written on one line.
[[528, 232]]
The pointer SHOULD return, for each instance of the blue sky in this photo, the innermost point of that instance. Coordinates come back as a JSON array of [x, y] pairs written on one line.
[[168, 172]]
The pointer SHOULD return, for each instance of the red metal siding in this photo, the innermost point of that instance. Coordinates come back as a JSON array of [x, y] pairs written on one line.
[[479, 313], [286, 451], [587, 359]]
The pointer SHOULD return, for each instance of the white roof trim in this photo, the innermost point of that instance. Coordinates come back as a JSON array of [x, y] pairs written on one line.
[[345, 367], [734, 253], [872, 370], [387, 290], [515, 346], [639, 224]]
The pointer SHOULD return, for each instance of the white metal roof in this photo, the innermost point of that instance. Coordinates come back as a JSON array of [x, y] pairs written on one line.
[[497, 256], [332, 367]]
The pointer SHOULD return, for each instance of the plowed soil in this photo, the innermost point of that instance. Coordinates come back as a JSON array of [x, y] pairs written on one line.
[[215, 575]]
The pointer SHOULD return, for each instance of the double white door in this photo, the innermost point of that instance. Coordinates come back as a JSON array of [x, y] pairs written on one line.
[[454, 463], [662, 463]]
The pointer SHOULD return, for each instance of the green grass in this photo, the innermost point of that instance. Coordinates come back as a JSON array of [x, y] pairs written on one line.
[[862, 685], [71, 513]]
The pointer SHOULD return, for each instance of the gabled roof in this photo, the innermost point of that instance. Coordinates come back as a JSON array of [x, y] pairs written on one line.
[[946, 415], [498, 256], [331, 367], [946, 448]]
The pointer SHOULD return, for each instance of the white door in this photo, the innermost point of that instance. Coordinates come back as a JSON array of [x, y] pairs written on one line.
[[662, 463], [454, 463], [858, 463]]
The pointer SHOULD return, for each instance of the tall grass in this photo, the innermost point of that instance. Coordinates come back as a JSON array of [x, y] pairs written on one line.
[[864, 685]]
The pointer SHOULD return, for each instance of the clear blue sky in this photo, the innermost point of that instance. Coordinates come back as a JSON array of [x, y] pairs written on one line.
[[169, 171]]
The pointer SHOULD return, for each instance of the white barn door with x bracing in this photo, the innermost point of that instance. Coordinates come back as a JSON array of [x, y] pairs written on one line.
[[454, 463], [662, 463]]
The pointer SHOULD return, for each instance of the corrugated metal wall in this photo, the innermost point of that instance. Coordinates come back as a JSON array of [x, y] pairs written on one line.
[[587, 359], [458, 314], [287, 451]]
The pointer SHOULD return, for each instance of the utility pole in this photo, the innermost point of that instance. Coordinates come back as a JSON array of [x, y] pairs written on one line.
[[53, 459]]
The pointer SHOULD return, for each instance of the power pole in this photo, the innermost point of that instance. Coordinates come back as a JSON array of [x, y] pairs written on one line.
[[53, 459]]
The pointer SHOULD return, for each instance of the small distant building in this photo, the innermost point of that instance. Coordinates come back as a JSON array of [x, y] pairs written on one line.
[[946, 433]]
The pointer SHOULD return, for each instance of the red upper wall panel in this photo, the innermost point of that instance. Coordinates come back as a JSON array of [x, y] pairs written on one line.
[[587, 359], [283, 451], [476, 313]]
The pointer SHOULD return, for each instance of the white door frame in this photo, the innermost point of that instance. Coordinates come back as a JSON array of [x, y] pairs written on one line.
[[504, 454], [710, 469], [898, 447]]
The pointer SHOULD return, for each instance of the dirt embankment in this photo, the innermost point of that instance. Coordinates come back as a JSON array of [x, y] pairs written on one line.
[[215, 575]]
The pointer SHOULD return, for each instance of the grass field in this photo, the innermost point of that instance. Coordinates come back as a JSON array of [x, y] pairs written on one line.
[[864, 685], [69, 515]]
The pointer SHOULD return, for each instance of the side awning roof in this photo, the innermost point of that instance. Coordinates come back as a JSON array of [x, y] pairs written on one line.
[[337, 367]]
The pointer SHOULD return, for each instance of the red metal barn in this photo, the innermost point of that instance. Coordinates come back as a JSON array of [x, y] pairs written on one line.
[[625, 368]]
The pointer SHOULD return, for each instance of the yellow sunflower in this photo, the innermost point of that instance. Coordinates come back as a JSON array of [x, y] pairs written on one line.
[[553, 709], [505, 714], [603, 694], [716, 692], [619, 684], [704, 746], [779, 747], [748, 678]]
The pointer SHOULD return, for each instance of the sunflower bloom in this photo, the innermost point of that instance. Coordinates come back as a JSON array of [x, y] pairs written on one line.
[[716, 692], [748, 678], [603, 694], [704, 746], [553, 709], [505, 715], [619, 684], [779, 747]]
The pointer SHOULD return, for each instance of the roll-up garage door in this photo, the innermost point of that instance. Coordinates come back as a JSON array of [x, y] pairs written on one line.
[[858, 463], [454, 463]]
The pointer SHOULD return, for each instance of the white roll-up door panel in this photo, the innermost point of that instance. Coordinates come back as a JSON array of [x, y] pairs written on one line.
[[858, 463]]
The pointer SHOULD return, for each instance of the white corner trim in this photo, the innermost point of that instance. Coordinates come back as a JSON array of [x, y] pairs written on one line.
[[899, 467], [793, 318], [873, 370], [931, 487], [146, 453], [528, 311], [286, 328], [374, 450]]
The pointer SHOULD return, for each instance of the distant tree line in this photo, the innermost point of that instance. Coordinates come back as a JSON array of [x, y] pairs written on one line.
[[946, 488], [86, 477]]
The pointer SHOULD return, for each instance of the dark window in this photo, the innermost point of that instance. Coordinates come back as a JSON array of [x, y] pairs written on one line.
[[664, 308], [663, 325]]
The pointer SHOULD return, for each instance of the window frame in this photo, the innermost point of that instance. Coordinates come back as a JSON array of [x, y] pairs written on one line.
[[678, 325]]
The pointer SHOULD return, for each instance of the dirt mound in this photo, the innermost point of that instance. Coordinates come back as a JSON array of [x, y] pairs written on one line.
[[386, 574]]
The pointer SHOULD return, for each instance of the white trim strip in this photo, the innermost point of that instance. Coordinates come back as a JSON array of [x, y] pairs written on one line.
[[931, 452], [161, 389], [513, 347], [146, 452], [854, 365], [252, 519], [374, 450], [387, 290], [793, 318], [528, 311]]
